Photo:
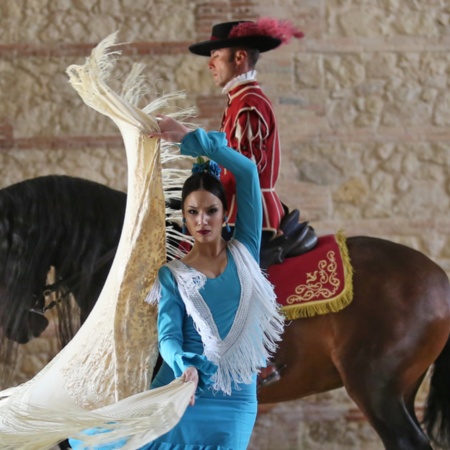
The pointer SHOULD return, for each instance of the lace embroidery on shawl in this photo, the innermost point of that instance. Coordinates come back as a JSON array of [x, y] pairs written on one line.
[[256, 328]]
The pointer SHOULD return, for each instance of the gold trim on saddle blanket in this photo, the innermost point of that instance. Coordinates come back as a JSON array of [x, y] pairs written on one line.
[[323, 284]]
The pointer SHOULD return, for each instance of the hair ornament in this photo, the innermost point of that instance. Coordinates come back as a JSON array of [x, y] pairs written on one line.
[[283, 30], [207, 166]]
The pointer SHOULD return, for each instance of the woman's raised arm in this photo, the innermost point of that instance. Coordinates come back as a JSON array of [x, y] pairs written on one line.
[[214, 146]]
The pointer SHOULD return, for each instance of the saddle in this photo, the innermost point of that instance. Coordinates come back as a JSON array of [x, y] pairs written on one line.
[[295, 239]]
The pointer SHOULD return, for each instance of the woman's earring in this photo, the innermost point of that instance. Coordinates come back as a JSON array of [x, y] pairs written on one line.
[[183, 228], [227, 227]]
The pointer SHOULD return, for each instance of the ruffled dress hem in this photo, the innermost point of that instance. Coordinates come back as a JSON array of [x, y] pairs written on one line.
[[167, 446]]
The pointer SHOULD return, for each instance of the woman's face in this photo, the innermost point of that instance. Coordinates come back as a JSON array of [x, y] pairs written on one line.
[[204, 216]]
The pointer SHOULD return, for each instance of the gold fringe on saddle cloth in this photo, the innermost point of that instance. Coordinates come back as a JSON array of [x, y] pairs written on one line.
[[327, 305], [101, 378]]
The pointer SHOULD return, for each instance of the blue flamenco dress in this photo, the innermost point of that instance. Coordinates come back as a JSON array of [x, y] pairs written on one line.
[[218, 420]]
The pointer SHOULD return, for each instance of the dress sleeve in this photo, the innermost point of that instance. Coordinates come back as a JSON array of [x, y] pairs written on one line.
[[171, 316], [249, 218]]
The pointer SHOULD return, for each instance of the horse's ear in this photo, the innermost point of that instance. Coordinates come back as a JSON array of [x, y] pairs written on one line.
[[37, 323]]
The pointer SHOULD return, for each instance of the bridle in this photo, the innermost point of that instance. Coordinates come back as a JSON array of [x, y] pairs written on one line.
[[42, 303]]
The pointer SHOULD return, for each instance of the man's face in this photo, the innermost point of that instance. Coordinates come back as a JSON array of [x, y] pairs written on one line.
[[223, 66]]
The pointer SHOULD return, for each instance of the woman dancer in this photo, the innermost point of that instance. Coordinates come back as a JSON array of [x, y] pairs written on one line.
[[218, 320]]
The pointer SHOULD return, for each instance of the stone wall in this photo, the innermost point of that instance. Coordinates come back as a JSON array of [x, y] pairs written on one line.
[[363, 103]]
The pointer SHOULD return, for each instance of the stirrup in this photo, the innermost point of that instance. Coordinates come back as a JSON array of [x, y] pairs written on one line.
[[272, 377]]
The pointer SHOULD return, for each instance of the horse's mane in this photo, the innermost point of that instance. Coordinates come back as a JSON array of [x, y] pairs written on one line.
[[54, 221]]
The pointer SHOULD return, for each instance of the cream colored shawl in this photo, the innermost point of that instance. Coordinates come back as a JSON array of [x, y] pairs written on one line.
[[100, 378]]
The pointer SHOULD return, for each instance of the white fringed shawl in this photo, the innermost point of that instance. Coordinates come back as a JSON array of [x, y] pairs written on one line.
[[99, 379], [256, 328]]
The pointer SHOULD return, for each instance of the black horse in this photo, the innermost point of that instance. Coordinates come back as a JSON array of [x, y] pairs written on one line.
[[379, 347], [39, 232]]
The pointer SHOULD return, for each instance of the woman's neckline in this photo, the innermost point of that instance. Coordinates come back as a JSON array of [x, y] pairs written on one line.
[[210, 278]]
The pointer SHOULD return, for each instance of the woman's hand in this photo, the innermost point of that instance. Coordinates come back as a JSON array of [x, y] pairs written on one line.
[[191, 374], [170, 129]]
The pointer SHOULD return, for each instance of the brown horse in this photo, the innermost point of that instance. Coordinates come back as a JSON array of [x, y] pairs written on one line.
[[379, 347]]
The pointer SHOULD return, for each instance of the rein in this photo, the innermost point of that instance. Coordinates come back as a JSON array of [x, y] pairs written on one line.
[[40, 300]]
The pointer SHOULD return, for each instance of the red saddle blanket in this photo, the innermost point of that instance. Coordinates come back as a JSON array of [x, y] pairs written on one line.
[[317, 282]]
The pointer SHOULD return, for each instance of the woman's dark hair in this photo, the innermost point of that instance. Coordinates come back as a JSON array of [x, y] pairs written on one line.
[[207, 182]]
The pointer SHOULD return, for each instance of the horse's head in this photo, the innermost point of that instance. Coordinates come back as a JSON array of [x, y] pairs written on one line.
[[69, 224]]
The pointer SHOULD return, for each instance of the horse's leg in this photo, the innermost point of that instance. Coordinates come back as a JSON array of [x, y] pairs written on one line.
[[382, 379], [387, 412], [410, 398]]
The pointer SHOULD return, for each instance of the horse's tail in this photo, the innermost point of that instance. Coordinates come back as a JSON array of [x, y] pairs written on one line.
[[437, 409]]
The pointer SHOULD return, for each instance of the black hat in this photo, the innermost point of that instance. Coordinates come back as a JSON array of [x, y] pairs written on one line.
[[220, 38]]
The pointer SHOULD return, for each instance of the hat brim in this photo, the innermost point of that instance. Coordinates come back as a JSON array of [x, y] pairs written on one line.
[[261, 43]]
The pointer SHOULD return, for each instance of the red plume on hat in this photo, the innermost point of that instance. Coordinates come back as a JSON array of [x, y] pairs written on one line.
[[264, 34], [266, 26]]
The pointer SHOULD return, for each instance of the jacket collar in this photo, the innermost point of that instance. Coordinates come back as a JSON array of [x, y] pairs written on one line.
[[240, 79]]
